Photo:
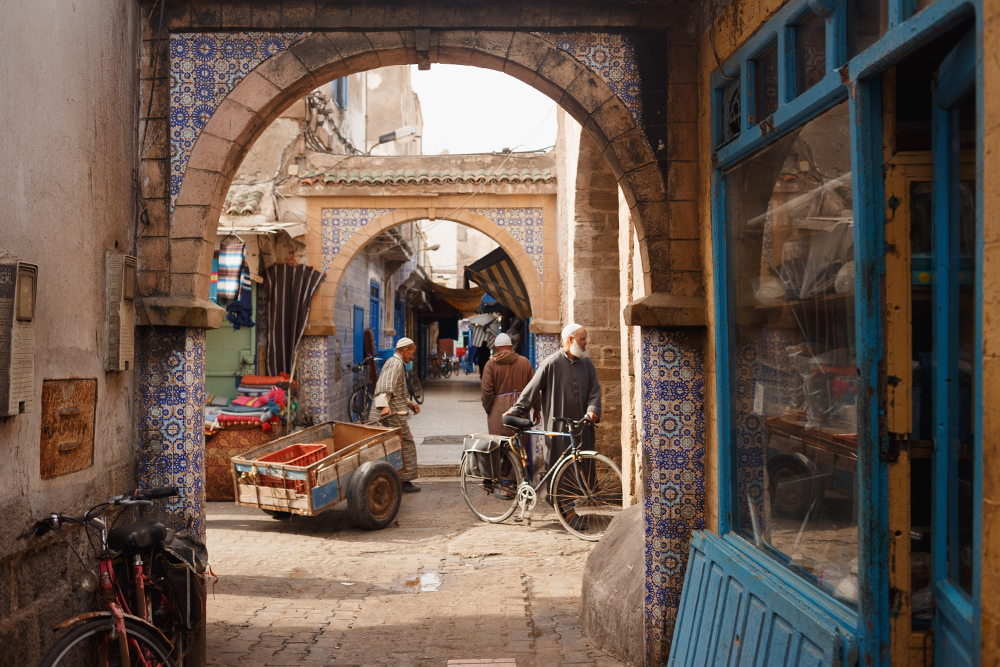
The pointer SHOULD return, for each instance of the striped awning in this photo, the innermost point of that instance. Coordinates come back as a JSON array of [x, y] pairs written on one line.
[[497, 274]]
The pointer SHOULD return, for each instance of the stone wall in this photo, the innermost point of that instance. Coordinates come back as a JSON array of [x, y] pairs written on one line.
[[67, 196]]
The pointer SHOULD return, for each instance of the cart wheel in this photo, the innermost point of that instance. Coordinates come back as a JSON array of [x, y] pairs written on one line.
[[373, 495], [275, 514]]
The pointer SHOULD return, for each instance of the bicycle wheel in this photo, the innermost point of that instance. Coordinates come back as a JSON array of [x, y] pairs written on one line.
[[446, 369], [89, 643], [493, 500], [434, 372], [416, 389], [587, 495], [359, 406]]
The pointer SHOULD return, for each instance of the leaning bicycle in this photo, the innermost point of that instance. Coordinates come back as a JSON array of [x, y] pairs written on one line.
[[584, 487], [360, 402], [414, 387], [145, 584]]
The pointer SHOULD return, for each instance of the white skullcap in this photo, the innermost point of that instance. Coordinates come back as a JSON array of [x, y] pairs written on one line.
[[404, 342], [503, 340], [569, 330]]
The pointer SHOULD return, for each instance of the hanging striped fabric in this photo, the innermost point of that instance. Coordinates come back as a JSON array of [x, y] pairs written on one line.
[[230, 262], [290, 290], [497, 274]]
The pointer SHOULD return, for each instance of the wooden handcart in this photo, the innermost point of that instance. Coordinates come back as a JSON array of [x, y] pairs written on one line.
[[331, 462]]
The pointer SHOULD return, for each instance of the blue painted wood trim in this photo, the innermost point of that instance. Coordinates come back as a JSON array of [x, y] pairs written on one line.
[[869, 258], [786, 65], [267, 470], [734, 610], [326, 495], [956, 618], [723, 352], [902, 40], [825, 94]]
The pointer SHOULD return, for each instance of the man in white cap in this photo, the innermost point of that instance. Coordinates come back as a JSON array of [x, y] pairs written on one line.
[[504, 377], [567, 382], [391, 402]]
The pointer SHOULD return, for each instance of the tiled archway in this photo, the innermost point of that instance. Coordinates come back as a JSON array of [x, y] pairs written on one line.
[[530, 272], [280, 79]]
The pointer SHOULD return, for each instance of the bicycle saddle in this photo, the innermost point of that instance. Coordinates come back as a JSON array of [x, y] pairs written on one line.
[[518, 423], [137, 534]]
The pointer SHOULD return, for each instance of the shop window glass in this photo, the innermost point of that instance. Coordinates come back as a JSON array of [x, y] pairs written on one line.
[[731, 111], [794, 379], [765, 80], [810, 52], [867, 21]]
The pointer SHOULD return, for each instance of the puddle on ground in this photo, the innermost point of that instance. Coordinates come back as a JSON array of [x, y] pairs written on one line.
[[425, 581]]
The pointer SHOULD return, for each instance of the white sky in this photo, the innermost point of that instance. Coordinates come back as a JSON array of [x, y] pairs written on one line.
[[474, 110]]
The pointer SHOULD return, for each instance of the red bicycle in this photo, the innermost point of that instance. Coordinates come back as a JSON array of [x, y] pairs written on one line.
[[143, 572]]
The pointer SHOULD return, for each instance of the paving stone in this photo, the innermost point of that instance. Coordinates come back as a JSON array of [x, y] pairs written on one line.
[[278, 601]]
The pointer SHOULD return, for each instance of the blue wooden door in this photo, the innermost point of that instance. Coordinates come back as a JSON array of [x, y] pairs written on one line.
[[359, 334], [373, 314], [957, 364], [399, 321]]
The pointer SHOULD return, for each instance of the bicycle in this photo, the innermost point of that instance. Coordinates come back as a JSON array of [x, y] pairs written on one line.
[[447, 367], [360, 402], [584, 487], [434, 367], [414, 387], [115, 636]]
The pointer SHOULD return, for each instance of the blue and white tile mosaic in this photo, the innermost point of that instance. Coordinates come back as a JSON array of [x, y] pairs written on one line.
[[204, 68], [545, 345], [524, 224], [339, 224], [314, 380], [610, 56], [673, 436], [171, 365]]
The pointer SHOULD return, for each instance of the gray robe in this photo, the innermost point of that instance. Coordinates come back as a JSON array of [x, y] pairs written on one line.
[[569, 389]]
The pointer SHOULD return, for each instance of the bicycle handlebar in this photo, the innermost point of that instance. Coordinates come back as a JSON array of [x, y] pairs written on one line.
[[137, 497]]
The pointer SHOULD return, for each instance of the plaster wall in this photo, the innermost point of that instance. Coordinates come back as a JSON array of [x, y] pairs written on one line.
[[68, 109], [391, 105]]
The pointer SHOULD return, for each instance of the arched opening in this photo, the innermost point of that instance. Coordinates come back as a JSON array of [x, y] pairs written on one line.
[[276, 83]]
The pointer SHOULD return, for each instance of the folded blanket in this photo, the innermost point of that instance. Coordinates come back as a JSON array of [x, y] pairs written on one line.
[[264, 380]]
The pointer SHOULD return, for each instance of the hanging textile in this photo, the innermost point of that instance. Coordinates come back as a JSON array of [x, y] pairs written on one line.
[[497, 274], [240, 310], [230, 262], [290, 290]]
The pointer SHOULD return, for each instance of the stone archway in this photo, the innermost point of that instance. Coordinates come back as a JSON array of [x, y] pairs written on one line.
[[320, 57]]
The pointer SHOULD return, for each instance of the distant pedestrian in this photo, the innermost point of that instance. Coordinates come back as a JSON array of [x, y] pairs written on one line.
[[504, 376], [482, 356], [391, 397]]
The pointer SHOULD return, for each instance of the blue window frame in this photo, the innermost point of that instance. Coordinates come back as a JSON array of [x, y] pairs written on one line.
[[739, 131], [339, 91]]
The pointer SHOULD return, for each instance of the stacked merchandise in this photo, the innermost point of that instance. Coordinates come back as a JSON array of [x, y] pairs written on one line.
[[260, 400]]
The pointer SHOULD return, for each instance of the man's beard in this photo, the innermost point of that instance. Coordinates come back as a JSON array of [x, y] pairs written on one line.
[[577, 351]]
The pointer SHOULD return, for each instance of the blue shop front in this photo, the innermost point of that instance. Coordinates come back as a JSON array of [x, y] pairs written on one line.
[[845, 171]]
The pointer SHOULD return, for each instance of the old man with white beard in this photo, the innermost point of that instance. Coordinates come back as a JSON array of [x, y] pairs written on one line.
[[567, 382]]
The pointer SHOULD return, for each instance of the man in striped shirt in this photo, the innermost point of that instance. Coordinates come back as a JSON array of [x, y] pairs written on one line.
[[391, 403]]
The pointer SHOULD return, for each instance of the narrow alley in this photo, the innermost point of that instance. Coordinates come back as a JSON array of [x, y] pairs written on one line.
[[436, 586]]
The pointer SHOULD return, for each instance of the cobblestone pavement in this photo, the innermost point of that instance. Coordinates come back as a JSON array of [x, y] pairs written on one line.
[[437, 586]]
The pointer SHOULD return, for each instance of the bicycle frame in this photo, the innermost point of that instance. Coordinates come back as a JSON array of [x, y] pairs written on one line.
[[571, 453]]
